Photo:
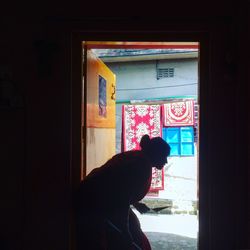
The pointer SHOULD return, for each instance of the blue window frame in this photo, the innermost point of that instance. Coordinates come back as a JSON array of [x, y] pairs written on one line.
[[180, 139]]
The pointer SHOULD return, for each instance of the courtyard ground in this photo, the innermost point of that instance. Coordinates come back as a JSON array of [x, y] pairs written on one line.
[[170, 231]]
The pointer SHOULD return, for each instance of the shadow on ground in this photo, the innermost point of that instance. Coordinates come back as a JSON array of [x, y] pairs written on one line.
[[166, 241]]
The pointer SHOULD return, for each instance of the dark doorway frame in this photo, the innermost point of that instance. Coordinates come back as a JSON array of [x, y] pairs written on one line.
[[159, 36]]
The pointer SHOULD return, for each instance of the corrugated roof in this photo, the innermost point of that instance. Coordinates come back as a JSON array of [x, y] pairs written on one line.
[[139, 52]]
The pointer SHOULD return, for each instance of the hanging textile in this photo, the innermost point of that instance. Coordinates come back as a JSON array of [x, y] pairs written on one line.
[[178, 114], [139, 120]]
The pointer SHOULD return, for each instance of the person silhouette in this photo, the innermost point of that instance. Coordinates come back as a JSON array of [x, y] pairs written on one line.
[[104, 218]]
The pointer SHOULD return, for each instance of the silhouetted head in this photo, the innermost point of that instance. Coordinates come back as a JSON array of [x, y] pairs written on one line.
[[156, 149]]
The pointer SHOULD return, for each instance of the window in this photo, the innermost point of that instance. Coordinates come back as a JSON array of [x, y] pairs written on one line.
[[165, 73], [180, 139], [102, 97]]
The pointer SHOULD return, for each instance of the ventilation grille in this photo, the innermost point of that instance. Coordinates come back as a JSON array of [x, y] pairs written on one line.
[[165, 73]]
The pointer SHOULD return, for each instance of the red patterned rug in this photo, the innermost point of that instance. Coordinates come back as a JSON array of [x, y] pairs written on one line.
[[139, 120], [178, 113]]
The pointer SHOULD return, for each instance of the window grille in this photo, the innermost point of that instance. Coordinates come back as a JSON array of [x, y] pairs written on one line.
[[165, 73]]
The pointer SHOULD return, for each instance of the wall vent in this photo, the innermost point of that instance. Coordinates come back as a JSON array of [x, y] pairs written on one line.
[[165, 73]]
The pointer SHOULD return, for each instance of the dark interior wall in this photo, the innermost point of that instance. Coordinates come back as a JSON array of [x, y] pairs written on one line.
[[35, 138], [242, 74], [35, 132], [227, 167]]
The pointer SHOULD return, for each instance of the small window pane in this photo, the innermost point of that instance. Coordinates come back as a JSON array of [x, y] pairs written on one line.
[[187, 149], [174, 149], [172, 135], [102, 97], [187, 134]]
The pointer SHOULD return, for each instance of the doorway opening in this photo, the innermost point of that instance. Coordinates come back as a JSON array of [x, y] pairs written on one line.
[[126, 86]]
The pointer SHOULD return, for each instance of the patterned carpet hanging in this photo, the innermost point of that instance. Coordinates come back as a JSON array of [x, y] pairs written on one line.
[[139, 120], [178, 114]]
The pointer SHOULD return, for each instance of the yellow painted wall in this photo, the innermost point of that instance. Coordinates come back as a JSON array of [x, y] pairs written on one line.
[[96, 67], [100, 130]]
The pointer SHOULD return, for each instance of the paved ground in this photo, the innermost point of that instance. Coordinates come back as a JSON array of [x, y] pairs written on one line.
[[170, 232], [164, 241]]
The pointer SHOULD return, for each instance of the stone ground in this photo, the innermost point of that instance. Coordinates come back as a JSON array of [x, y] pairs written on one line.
[[165, 241], [170, 232]]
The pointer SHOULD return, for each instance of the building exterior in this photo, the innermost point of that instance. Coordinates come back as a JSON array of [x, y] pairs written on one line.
[[160, 77]]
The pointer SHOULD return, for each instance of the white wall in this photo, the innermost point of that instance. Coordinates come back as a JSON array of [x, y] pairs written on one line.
[[137, 80]]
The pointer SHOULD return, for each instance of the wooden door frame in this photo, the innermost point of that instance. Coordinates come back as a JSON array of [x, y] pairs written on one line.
[[76, 99]]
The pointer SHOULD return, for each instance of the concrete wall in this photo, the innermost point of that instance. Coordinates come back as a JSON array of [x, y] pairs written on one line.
[[137, 80]]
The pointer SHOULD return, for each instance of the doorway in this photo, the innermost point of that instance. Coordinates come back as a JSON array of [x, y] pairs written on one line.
[[157, 75]]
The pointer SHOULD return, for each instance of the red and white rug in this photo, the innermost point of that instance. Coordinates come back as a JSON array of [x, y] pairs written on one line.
[[139, 120], [178, 114]]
